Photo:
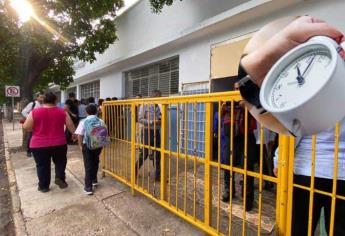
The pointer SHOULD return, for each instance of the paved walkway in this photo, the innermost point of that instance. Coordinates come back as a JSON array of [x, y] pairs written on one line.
[[112, 210]]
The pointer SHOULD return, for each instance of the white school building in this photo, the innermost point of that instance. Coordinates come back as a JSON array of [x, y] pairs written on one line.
[[193, 46]]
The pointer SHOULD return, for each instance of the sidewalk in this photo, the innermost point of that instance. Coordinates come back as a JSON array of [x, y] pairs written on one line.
[[112, 210]]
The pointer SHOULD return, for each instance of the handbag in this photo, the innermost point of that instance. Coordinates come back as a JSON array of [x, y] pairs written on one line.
[[22, 120]]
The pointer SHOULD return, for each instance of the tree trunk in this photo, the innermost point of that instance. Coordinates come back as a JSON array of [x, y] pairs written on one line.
[[27, 92]]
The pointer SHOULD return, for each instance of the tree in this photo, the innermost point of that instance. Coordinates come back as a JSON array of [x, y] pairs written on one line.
[[43, 50], [157, 5]]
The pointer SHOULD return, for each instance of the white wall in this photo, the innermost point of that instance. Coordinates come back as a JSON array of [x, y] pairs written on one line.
[[193, 50], [111, 85], [140, 30]]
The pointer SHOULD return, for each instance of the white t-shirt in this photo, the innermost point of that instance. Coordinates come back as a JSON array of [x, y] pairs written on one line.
[[26, 111], [269, 136], [324, 159], [81, 128]]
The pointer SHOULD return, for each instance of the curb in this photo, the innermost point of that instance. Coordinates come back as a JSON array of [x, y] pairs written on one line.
[[18, 220]]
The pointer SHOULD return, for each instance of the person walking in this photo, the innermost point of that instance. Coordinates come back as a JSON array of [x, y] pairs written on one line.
[[48, 141], [99, 110], [92, 136], [82, 110], [225, 123], [150, 118], [72, 109], [25, 113]]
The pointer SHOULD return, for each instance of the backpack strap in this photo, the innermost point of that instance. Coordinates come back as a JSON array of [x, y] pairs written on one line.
[[33, 105]]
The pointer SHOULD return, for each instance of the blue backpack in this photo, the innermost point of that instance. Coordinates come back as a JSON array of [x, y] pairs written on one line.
[[96, 133]]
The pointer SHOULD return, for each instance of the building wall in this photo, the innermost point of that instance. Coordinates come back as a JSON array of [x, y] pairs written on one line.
[[111, 85], [140, 30], [144, 37]]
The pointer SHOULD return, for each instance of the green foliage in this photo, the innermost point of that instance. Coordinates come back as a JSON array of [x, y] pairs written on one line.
[[43, 50], [157, 5], [9, 51], [40, 52]]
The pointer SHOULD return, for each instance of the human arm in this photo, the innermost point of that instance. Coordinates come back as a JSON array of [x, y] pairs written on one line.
[[80, 142], [80, 131], [69, 124], [275, 162], [26, 111], [29, 123], [215, 125], [258, 63]]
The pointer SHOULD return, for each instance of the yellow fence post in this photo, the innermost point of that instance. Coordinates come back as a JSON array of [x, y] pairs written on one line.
[[208, 172], [104, 118], [283, 169], [133, 147], [163, 144]]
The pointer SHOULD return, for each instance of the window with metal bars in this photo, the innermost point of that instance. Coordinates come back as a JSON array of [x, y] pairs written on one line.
[[192, 122], [163, 76], [90, 90]]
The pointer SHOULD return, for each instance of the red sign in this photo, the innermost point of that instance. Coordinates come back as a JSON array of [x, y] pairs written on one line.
[[12, 91]]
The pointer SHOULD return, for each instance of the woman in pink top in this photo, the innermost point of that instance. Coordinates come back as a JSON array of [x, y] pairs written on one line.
[[48, 141]]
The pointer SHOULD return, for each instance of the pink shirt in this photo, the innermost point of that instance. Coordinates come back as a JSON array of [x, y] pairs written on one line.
[[48, 128]]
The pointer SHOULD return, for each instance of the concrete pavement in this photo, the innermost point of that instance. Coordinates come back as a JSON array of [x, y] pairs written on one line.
[[112, 210]]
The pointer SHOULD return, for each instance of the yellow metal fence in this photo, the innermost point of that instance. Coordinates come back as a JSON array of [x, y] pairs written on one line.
[[164, 149]]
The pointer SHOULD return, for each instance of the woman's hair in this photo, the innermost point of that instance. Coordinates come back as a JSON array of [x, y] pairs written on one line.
[[50, 98], [69, 102], [91, 100], [91, 109], [100, 101]]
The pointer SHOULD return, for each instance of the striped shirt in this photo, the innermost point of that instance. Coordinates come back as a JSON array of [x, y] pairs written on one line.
[[149, 113]]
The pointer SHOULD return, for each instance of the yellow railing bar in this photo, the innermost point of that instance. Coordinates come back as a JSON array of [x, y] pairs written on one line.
[[127, 137], [284, 168], [231, 165], [335, 176], [245, 156], [112, 150], [261, 177], [208, 150], [104, 117], [318, 191], [178, 154], [149, 149], [219, 161], [195, 160], [290, 185], [169, 177], [118, 136], [186, 156], [312, 184], [209, 97], [133, 150], [162, 155]]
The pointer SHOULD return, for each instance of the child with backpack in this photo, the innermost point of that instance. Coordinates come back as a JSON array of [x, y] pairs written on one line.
[[92, 137]]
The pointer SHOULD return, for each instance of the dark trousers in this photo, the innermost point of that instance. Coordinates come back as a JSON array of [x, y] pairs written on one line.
[[151, 140], [267, 165], [300, 208], [91, 163], [238, 146], [239, 160], [43, 157], [29, 135]]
